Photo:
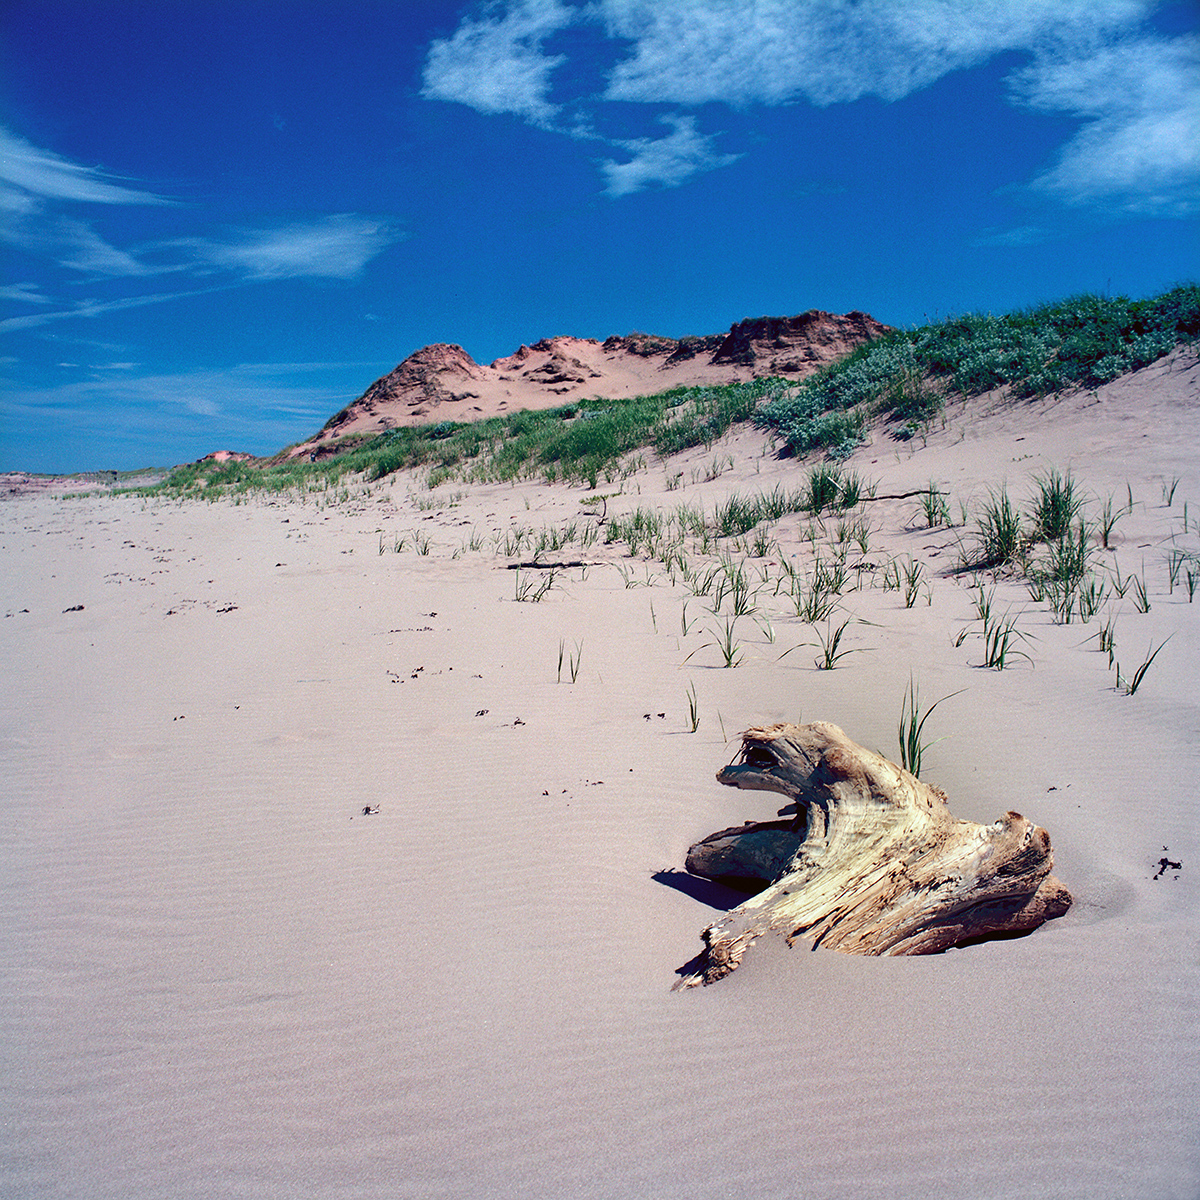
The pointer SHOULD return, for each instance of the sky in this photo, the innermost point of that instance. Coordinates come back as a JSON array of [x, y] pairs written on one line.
[[222, 220]]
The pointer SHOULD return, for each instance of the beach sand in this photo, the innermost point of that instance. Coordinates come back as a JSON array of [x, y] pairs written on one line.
[[223, 980]]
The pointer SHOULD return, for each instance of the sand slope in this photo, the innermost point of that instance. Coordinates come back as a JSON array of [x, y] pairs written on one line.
[[221, 980], [443, 382]]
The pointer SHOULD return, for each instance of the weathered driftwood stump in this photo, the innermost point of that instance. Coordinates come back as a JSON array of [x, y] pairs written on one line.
[[873, 863]]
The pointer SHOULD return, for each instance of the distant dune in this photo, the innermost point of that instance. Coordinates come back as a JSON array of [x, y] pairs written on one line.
[[444, 383]]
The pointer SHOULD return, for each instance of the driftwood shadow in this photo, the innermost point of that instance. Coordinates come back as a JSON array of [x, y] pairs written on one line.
[[715, 895]]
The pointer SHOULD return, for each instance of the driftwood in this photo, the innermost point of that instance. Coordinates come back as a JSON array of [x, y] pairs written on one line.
[[873, 863]]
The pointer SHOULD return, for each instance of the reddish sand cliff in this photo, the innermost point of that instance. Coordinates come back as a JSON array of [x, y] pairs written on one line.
[[443, 382]]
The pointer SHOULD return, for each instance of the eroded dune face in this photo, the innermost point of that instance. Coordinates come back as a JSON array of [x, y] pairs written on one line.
[[443, 382], [873, 863]]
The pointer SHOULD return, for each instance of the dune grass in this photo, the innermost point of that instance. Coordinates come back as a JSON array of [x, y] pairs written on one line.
[[999, 532], [912, 724], [1055, 506], [1130, 686], [903, 378], [907, 375], [580, 443]]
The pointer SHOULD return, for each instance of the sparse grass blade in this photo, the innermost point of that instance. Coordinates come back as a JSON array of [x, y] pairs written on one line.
[[1140, 600], [911, 747], [1108, 520], [725, 640], [730, 648], [933, 505], [983, 605], [831, 651], [530, 591], [1130, 686], [1108, 639], [999, 639], [912, 582]]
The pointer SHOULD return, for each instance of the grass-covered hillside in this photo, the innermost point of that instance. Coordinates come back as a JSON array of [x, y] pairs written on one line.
[[907, 376], [903, 379]]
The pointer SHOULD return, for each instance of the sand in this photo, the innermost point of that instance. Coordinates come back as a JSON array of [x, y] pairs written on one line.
[[223, 980]]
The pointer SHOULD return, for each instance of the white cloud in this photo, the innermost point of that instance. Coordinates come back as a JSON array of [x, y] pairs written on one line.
[[94, 308], [70, 243], [1021, 235], [828, 51], [1140, 150], [83, 249], [334, 247], [27, 292], [1134, 93], [34, 185], [31, 172], [495, 63], [667, 161], [34, 181]]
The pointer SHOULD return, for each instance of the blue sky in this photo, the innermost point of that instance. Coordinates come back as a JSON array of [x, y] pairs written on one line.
[[223, 219]]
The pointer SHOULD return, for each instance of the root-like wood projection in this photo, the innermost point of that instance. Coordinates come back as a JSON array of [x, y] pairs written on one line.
[[874, 862]]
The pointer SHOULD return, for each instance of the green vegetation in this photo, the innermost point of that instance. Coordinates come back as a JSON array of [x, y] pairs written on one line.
[[578, 443], [572, 660], [934, 507], [693, 708], [912, 749], [1062, 576], [531, 591], [1130, 686], [1056, 506], [904, 377], [999, 638], [829, 642], [726, 642], [999, 532], [1109, 517], [907, 375]]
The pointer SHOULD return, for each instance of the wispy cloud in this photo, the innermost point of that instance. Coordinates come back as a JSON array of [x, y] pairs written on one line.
[[667, 161], [1135, 93], [71, 243], [26, 292], [495, 63], [28, 173], [35, 184], [334, 247], [1021, 235], [1140, 150], [94, 308], [78, 246], [830, 52]]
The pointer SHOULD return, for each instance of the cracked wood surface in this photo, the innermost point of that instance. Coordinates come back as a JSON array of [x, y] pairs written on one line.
[[874, 862]]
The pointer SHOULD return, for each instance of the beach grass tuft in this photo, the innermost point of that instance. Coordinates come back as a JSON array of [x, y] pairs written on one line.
[[912, 748]]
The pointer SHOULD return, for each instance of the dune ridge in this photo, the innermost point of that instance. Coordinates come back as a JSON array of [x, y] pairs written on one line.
[[442, 381]]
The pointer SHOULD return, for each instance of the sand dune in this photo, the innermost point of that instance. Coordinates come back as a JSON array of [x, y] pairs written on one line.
[[444, 383], [223, 980]]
